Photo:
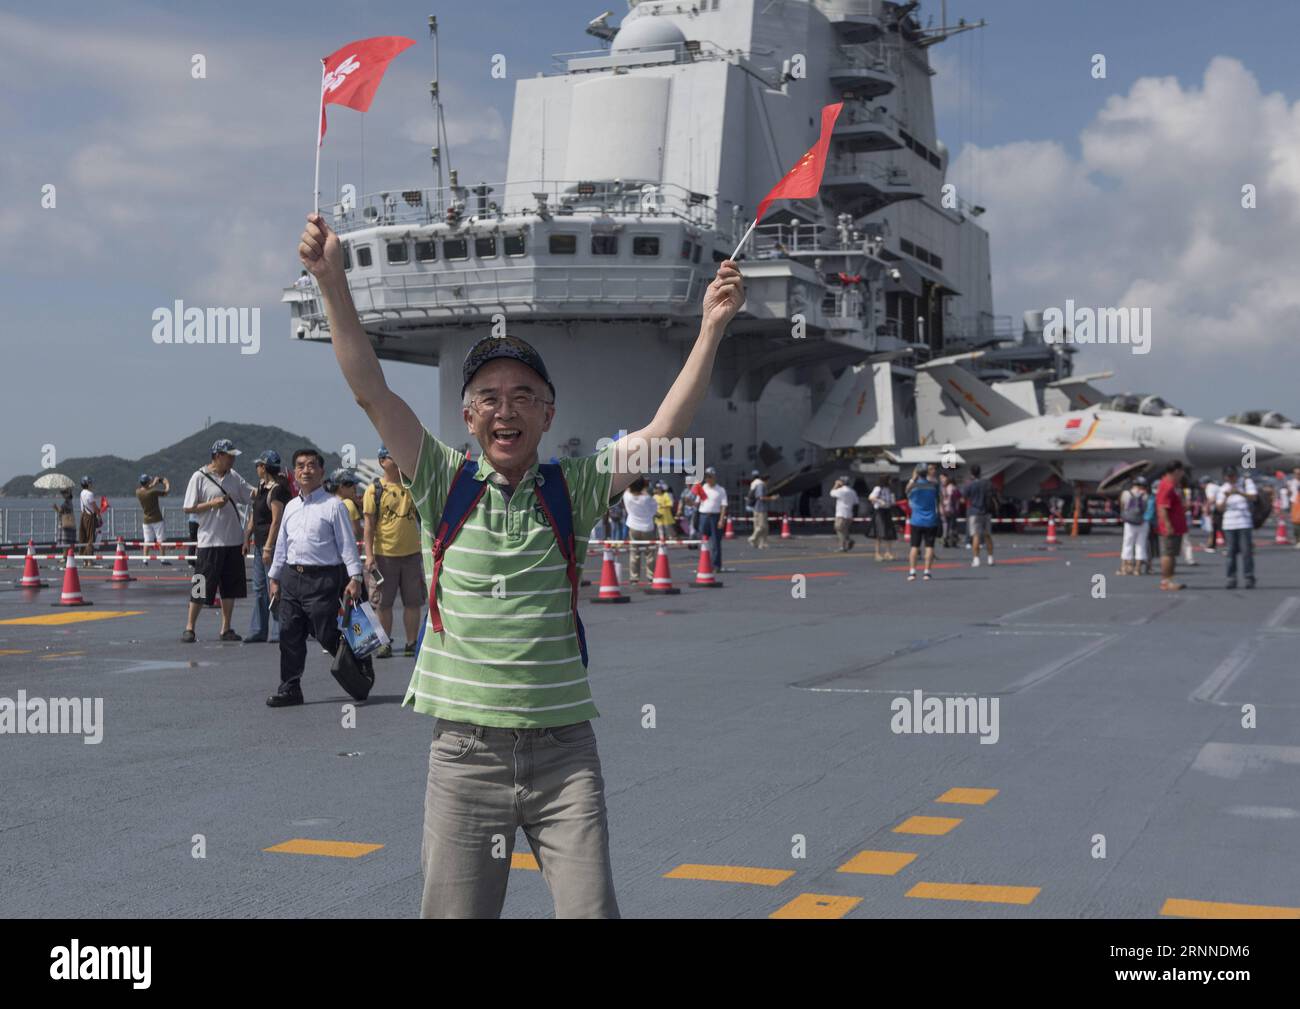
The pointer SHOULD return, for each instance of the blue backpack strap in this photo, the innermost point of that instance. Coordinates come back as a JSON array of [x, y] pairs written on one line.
[[553, 496], [462, 498]]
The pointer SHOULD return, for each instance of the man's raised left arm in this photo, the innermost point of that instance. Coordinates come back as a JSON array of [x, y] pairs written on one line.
[[722, 300]]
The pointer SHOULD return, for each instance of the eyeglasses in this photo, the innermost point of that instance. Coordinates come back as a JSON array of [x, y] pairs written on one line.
[[489, 403]]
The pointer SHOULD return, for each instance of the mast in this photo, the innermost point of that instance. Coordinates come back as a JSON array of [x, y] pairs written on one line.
[[440, 148]]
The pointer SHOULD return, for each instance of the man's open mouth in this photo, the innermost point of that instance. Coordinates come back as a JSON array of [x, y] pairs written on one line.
[[506, 435]]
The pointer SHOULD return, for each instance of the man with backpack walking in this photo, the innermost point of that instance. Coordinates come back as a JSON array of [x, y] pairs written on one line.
[[1134, 554], [503, 668], [214, 493]]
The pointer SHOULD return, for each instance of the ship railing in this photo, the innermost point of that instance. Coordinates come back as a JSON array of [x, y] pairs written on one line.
[[864, 167], [417, 207], [775, 241], [689, 51], [521, 285], [17, 525], [858, 112], [877, 56]]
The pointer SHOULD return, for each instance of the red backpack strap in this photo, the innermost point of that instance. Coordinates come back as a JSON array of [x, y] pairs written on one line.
[[553, 496], [462, 498]]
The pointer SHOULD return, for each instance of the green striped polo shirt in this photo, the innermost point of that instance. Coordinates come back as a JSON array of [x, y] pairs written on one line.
[[508, 655]]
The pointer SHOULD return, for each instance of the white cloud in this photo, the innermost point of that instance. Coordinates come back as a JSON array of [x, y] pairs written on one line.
[[1150, 214]]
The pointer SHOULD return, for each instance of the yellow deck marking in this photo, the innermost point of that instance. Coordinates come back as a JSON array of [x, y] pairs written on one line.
[[524, 860], [968, 796], [335, 849], [817, 905], [976, 892], [72, 617], [59, 655], [731, 874], [933, 825], [14, 651], [878, 863], [1210, 909]]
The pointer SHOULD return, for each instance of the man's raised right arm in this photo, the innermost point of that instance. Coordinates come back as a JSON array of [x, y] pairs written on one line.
[[398, 427]]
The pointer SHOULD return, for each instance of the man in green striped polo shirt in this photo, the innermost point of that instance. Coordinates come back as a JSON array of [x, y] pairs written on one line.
[[504, 678]]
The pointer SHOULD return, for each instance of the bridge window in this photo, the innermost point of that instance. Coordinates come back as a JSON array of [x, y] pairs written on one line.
[[604, 245], [686, 249], [347, 256], [364, 257], [426, 252], [486, 248], [398, 252], [695, 254], [515, 245], [645, 245], [455, 248], [563, 245]]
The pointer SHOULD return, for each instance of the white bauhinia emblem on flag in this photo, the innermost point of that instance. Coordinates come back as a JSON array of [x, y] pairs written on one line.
[[336, 77]]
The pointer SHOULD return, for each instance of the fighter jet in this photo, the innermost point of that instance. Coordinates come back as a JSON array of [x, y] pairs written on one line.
[[1272, 427], [1099, 447]]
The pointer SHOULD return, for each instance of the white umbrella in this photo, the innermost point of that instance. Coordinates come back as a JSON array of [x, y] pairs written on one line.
[[54, 481]]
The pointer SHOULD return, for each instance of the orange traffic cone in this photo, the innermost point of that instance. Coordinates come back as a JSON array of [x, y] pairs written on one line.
[[663, 581], [704, 573], [609, 589], [31, 578], [1218, 539], [71, 586], [907, 528], [1051, 531], [728, 533], [1280, 537], [121, 573], [785, 527]]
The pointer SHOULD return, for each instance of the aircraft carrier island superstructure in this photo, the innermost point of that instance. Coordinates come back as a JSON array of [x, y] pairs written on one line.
[[634, 169]]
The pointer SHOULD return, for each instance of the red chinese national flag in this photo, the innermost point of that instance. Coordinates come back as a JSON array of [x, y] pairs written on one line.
[[352, 74], [805, 178]]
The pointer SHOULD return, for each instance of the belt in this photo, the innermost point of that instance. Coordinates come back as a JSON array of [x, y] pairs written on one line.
[[314, 569]]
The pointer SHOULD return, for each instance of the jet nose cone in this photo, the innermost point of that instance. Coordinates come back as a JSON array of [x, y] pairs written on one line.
[[1211, 444]]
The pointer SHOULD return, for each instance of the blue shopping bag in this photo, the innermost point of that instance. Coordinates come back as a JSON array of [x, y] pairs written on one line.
[[362, 630]]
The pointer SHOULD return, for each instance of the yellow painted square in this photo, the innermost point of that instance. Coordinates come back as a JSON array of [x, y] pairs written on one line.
[[976, 892], [524, 860], [968, 796], [1178, 908], [72, 616], [730, 874], [878, 863], [332, 849], [817, 905], [931, 825]]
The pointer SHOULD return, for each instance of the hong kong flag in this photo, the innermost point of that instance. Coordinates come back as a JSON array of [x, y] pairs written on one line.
[[351, 75], [804, 180]]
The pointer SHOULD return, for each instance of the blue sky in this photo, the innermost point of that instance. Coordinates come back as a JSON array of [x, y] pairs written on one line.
[[1119, 191]]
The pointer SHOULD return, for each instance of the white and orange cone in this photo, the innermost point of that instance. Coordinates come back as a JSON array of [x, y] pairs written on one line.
[[729, 532], [785, 527], [662, 585], [31, 578], [609, 588], [1051, 531], [71, 586], [1279, 538], [704, 573], [121, 573]]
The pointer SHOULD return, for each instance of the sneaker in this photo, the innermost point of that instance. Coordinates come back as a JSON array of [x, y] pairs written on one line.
[[385, 652], [1250, 583], [926, 576], [165, 564], [409, 650], [254, 640], [911, 577], [187, 636], [990, 560], [1232, 584], [975, 562], [230, 636]]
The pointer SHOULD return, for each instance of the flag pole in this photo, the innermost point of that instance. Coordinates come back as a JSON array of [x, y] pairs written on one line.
[[745, 238], [319, 115]]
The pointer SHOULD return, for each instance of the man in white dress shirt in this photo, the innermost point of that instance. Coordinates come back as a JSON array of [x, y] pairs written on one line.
[[315, 540]]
